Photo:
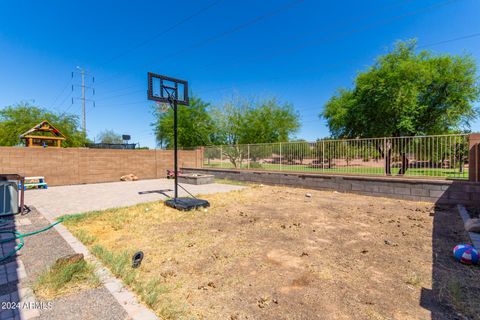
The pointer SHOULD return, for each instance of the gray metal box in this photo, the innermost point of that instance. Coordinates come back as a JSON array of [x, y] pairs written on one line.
[[8, 198]]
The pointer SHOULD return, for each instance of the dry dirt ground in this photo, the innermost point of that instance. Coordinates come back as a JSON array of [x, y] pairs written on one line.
[[277, 253]]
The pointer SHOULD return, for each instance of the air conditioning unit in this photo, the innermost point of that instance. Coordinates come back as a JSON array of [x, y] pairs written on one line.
[[10, 194], [8, 198]]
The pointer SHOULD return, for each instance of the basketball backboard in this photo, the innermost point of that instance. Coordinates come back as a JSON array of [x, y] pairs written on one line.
[[167, 89]]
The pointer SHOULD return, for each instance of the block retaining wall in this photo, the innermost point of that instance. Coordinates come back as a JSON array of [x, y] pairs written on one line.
[[429, 190], [65, 166]]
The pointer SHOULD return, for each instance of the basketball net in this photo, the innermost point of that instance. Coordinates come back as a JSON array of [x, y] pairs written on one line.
[[162, 106]]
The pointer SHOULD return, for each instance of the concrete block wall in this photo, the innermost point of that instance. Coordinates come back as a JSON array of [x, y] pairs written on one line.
[[64, 166], [436, 191]]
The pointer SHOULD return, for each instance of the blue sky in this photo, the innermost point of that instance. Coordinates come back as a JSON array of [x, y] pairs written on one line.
[[297, 51]]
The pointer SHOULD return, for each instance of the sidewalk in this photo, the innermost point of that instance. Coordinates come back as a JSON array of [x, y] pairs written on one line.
[[18, 274], [57, 201]]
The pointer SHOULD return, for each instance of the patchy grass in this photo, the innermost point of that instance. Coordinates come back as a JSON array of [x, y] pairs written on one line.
[[66, 278], [414, 280], [151, 291], [233, 182], [270, 252], [415, 172]]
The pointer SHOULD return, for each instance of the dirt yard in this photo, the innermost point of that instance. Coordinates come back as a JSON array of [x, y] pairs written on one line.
[[282, 253]]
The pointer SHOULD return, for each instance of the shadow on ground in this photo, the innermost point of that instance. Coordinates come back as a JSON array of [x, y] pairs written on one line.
[[9, 276], [455, 287]]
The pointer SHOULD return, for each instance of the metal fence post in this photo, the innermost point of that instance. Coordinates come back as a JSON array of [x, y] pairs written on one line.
[[385, 156], [281, 160], [248, 156], [221, 157], [323, 155]]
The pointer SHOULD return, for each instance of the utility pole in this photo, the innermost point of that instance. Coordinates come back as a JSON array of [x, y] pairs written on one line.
[[83, 75], [84, 117]]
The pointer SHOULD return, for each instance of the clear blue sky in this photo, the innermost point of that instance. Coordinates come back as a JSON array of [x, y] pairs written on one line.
[[298, 51]]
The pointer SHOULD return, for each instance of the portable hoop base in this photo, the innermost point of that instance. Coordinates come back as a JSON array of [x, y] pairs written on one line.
[[187, 204]]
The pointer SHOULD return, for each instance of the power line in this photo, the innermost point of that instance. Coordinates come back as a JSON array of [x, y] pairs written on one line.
[[425, 9], [330, 37], [122, 89], [358, 18], [450, 40], [121, 95], [165, 31], [226, 32], [355, 30], [364, 17], [60, 94], [62, 104], [237, 28]]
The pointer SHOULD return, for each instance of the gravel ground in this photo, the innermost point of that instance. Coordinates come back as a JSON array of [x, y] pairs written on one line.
[[89, 304], [41, 251], [289, 253]]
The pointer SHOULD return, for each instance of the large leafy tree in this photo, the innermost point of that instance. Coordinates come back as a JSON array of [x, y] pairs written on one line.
[[195, 125], [247, 122], [406, 93], [16, 119], [110, 137], [265, 121]]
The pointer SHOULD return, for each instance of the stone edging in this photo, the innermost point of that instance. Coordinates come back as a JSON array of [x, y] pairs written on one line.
[[474, 237], [125, 297]]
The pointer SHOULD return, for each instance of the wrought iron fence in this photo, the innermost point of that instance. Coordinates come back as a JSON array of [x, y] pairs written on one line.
[[442, 156]]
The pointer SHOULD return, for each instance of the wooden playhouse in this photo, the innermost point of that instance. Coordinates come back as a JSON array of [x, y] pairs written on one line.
[[43, 135]]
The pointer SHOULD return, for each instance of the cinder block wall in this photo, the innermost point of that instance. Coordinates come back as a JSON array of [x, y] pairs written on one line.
[[437, 191], [64, 166]]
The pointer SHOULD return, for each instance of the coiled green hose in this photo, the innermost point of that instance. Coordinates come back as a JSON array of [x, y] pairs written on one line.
[[20, 236]]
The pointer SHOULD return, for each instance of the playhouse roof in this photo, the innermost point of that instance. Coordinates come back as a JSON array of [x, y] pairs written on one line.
[[44, 126]]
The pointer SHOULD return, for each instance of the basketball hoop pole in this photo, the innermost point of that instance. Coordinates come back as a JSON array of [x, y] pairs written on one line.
[[175, 145], [171, 92]]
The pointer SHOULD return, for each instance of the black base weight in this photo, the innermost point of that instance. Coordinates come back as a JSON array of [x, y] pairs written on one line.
[[186, 204]]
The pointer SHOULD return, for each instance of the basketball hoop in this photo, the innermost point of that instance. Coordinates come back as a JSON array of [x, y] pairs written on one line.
[[170, 92]]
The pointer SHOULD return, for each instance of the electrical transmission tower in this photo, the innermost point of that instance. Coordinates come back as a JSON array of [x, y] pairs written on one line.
[[85, 75]]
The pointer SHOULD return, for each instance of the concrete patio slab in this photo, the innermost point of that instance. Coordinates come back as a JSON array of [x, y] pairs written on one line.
[[57, 201]]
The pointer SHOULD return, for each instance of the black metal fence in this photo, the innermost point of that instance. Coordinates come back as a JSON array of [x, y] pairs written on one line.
[[128, 146]]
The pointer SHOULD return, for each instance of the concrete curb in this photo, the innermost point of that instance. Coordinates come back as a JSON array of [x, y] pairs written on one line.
[[125, 297], [474, 237]]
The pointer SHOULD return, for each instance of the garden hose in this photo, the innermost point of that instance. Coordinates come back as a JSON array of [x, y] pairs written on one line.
[[20, 236]]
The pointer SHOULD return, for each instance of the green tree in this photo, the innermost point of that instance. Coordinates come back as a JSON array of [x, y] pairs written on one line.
[[195, 125], [296, 151], [247, 122], [110, 137], [406, 93], [17, 119]]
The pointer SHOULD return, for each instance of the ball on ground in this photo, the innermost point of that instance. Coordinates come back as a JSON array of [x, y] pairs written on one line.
[[466, 254]]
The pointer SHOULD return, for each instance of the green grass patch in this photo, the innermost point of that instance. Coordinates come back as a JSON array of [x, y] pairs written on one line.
[[79, 217], [84, 237], [65, 278], [233, 182], [152, 292], [420, 172]]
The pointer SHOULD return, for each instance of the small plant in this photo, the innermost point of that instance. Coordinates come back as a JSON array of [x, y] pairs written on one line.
[[456, 296], [414, 280], [118, 263], [232, 182], [255, 165], [149, 291], [73, 219], [84, 237], [64, 278]]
